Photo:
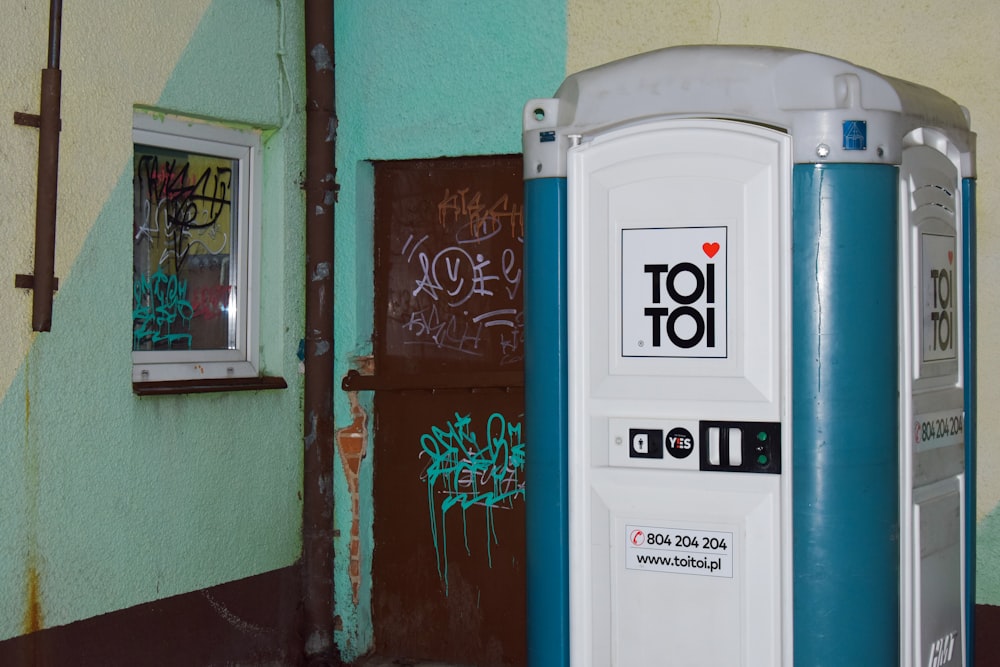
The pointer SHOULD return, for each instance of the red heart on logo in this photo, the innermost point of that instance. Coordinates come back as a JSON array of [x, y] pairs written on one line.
[[710, 249], [951, 257]]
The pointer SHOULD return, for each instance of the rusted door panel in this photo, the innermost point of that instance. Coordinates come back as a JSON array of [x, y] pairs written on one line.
[[449, 234], [449, 553], [448, 567]]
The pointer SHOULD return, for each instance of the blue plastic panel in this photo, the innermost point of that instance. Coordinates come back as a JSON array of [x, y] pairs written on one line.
[[546, 466], [969, 262], [845, 404]]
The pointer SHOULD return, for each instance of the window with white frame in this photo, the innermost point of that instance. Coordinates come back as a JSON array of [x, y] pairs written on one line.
[[195, 231]]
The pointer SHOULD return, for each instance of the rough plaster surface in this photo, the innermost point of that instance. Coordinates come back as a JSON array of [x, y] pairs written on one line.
[[110, 500], [938, 43], [102, 47], [416, 80]]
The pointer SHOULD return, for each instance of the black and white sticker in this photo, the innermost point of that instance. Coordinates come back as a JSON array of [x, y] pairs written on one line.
[[706, 553], [674, 286], [938, 291]]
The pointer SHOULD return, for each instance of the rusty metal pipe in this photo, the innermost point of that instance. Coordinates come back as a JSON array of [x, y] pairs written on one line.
[[317, 506], [55, 32], [45, 201], [48, 178]]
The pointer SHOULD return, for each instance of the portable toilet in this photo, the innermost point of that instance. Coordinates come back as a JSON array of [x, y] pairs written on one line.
[[750, 365]]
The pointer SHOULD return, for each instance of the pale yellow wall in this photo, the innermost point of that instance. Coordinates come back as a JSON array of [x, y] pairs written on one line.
[[112, 58], [948, 46]]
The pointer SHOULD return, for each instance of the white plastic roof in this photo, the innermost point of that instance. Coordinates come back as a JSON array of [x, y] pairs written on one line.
[[809, 95]]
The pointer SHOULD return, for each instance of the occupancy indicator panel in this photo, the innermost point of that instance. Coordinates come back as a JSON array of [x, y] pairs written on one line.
[[707, 445]]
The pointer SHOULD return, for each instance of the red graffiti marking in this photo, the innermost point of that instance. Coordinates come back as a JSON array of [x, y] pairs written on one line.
[[210, 302]]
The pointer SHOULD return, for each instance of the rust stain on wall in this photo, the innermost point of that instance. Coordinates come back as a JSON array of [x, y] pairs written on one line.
[[33, 617], [352, 441]]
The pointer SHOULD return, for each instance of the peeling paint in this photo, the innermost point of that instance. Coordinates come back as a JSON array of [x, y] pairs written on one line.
[[352, 441], [324, 484], [322, 347], [235, 621], [317, 644], [310, 437], [321, 58], [320, 210], [322, 271]]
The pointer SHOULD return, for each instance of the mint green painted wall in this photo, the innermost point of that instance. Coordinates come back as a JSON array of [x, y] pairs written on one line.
[[417, 80], [115, 500], [987, 553]]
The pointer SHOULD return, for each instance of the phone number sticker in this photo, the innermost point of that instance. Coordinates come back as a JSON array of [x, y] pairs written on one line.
[[938, 429], [679, 550]]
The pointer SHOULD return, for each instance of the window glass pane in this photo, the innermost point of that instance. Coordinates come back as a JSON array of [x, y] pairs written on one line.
[[184, 254]]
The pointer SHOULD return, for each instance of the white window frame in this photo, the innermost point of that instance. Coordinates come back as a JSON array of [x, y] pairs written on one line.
[[244, 147]]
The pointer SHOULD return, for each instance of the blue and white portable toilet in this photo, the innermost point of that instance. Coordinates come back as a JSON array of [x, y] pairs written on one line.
[[750, 367]]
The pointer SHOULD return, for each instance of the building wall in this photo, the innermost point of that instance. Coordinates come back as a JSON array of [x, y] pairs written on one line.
[[109, 500], [416, 80]]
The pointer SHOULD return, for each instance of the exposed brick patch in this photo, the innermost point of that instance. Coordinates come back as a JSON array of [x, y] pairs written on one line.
[[352, 441]]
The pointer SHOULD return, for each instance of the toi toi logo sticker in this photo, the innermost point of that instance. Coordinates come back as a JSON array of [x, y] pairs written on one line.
[[674, 287], [938, 282]]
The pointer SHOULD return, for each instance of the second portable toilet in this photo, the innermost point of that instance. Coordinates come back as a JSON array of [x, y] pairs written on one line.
[[749, 372]]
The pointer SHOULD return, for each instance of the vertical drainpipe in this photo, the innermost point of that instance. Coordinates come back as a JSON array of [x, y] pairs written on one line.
[[43, 281], [48, 176], [317, 508]]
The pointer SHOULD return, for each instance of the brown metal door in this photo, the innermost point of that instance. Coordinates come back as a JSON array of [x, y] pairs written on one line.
[[448, 566]]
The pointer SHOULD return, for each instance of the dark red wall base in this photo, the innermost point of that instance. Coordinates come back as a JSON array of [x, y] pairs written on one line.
[[250, 622], [986, 639]]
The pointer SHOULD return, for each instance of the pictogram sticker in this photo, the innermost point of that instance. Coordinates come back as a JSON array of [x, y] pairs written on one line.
[[855, 135]]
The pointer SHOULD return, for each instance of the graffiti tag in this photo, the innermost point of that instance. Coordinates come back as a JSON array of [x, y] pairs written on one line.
[[160, 306], [465, 471]]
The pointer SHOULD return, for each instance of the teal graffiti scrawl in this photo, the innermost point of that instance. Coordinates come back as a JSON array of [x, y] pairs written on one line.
[[159, 304], [464, 471]]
